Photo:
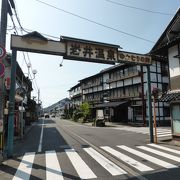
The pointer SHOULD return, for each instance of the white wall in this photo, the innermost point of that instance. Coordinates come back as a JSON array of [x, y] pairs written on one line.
[[174, 63]]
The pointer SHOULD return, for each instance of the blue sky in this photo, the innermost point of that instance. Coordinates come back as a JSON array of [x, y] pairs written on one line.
[[54, 81]]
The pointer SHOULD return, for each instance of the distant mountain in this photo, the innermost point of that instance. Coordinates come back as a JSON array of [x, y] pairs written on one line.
[[58, 105]]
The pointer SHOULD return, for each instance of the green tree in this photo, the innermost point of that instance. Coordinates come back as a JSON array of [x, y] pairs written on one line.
[[85, 110]]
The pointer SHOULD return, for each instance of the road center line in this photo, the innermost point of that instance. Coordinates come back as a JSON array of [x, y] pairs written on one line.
[[40, 141]]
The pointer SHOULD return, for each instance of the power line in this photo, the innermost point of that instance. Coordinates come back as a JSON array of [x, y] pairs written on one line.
[[141, 9], [14, 27], [22, 29], [30, 30], [94, 22]]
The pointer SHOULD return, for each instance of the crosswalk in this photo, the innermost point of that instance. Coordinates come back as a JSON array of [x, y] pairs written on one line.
[[161, 132], [143, 159]]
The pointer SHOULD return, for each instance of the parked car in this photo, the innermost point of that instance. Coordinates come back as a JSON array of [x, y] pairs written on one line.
[[46, 115]]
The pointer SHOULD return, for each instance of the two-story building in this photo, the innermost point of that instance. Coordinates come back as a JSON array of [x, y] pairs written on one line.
[[168, 47], [75, 94], [121, 91], [25, 107]]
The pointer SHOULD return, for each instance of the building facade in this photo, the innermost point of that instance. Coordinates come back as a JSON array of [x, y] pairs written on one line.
[[121, 91], [168, 46], [75, 94]]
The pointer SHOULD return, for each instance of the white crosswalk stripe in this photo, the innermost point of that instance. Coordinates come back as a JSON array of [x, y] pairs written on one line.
[[165, 148], [81, 167], [148, 157], [161, 132], [160, 153], [128, 160], [53, 170], [152, 155], [107, 164], [24, 170]]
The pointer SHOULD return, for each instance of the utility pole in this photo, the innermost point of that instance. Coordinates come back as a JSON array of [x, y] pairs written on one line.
[[3, 27], [149, 105]]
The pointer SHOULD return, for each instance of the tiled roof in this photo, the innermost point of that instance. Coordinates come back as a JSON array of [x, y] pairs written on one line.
[[171, 95]]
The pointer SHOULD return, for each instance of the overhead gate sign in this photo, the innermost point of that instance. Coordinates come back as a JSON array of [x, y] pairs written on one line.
[[77, 49], [133, 58], [90, 51]]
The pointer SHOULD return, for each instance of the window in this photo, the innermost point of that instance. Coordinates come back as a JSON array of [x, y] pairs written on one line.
[[165, 87], [125, 72], [166, 111], [138, 111]]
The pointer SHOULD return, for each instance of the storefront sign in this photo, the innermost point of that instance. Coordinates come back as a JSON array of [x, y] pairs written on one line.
[[90, 51], [133, 58]]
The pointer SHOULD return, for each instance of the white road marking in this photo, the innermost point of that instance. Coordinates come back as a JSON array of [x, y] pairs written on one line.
[[160, 153], [41, 137], [81, 167], [145, 130], [24, 170], [163, 135], [104, 162], [127, 159], [148, 157], [165, 148], [53, 169], [164, 132]]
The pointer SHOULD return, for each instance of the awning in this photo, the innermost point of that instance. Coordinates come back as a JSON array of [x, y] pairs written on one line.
[[110, 104], [170, 96]]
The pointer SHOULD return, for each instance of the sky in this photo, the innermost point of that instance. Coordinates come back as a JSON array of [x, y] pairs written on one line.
[[134, 29]]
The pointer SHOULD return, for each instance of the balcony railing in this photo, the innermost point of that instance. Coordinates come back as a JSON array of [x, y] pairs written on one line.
[[124, 96], [136, 73], [92, 85]]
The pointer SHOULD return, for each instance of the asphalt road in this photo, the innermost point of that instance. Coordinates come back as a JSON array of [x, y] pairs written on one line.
[[61, 149]]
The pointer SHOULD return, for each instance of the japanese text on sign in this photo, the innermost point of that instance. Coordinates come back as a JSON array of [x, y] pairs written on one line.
[[134, 58], [91, 52]]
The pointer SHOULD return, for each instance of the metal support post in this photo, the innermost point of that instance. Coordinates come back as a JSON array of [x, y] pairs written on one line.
[[10, 140], [3, 23], [149, 104], [155, 128], [21, 117], [3, 28]]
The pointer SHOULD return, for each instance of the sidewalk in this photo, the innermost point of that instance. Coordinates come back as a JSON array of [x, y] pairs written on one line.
[[166, 140]]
